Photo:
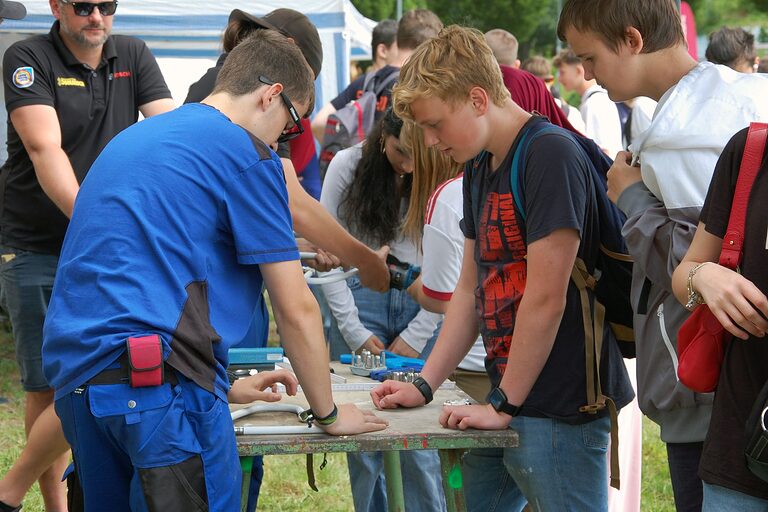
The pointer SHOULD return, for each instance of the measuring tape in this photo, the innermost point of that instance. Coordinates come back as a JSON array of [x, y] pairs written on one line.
[[363, 386]]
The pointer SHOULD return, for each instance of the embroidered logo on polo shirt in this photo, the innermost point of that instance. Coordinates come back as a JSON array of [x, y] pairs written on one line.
[[24, 77], [121, 74], [69, 82]]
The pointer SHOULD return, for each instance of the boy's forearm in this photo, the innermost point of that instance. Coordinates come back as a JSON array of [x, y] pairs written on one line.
[[537, 322], [301, 334]]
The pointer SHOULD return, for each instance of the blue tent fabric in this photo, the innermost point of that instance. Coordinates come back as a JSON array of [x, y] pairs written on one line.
[[184, 29]]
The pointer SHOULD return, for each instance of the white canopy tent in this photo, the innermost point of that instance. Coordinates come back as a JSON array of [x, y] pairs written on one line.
[[185, 36]]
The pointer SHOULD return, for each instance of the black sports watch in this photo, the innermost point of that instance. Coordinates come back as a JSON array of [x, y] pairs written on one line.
[[424, 388], [498, 400]]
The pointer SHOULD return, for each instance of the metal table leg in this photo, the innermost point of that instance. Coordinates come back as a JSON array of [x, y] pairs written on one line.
[[246, 464], [394, 482], [453, 479]]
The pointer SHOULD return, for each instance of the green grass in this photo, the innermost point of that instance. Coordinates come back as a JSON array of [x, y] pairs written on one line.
[[285, 482]]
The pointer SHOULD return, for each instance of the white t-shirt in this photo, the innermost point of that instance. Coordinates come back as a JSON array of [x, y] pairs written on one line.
[[601, 120], [443, 250]]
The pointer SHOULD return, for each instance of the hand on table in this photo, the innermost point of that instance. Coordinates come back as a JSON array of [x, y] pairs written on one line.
[[352, 420], [621, 175], [373, 344], [401, 348], [262, 386], [483, 417], [734, 300], [392, 394]]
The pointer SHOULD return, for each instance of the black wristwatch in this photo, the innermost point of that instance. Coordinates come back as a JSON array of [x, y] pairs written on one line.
[[498, 400], [424, 389]]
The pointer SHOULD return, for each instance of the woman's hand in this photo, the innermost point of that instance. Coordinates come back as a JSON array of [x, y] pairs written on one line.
[[262, 386], [401, 348], [735, 301], [323, 262], [373, 345]]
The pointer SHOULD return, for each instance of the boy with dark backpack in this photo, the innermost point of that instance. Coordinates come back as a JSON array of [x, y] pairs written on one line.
[[350, 124], [337, 130], [516, 288]]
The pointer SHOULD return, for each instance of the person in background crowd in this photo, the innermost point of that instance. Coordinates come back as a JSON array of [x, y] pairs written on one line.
[[639, 49], [733, 47], [68, 93], [383, 45], [504, 46], [540, 67], [415, 27], [600, 114]]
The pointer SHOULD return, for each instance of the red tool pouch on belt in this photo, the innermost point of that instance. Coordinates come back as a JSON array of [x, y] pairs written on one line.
[[145, 358]]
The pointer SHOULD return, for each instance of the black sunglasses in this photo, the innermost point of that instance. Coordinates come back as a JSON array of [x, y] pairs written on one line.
[[297, 128], [85, 9]]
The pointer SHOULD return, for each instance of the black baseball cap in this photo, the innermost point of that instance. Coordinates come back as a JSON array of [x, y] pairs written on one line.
[[291, 24], [12, 10]]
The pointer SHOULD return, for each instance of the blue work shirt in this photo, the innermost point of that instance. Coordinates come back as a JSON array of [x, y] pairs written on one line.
[[166, 236]]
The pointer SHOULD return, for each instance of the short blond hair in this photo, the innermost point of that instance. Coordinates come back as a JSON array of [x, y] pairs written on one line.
[[448, 67], [504, 46]]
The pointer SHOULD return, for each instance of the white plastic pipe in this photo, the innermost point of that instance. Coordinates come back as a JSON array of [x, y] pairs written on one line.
[[252, 430]]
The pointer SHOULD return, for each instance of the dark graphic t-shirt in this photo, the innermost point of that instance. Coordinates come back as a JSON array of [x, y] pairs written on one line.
[[557, 193], [745, 366]]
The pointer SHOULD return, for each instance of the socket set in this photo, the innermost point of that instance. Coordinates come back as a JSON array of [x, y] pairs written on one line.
[[365, 362], [406, 376]]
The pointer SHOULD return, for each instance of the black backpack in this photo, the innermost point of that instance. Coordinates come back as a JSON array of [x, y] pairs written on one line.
[[353, 122]]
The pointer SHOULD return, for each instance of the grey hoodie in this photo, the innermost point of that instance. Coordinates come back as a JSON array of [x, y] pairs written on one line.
[[677, 154]]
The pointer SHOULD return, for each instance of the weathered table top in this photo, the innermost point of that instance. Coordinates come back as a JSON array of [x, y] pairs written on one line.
[[409, 429]]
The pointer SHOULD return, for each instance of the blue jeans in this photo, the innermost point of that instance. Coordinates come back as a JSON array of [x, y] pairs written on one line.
[[717, 499], [556, 467], [387, 315], [422, 485], [384, 314], [26, 282]]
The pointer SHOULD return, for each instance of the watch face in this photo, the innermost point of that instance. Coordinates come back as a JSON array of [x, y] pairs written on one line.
[[497, 398]]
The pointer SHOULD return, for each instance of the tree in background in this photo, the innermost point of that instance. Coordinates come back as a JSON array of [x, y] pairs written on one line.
[[533, 22], [382, 9], [711, 15]]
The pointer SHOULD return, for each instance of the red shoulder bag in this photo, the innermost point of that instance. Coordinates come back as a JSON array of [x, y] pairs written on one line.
[[700, 340]]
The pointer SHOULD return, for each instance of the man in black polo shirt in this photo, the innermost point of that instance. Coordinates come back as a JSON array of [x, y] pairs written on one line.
[[67, 94]]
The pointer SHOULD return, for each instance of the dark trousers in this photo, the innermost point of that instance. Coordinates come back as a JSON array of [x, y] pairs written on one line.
[[683, 459]]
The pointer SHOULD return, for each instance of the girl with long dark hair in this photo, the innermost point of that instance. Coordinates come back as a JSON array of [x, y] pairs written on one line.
[[367, 188]]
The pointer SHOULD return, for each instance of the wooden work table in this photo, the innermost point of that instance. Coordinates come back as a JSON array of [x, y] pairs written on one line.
[[409, 429]]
